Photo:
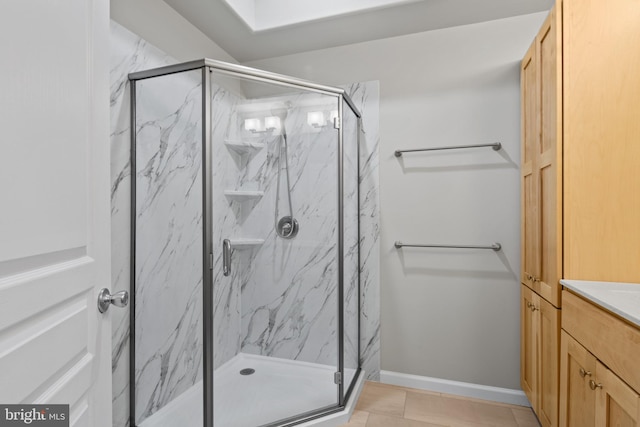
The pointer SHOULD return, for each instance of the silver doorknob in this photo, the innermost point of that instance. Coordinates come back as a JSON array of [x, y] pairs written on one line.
[[105, 299]]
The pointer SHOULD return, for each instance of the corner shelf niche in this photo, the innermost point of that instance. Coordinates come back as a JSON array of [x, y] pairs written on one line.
[[242, 147], [243, 195], [245, 243]]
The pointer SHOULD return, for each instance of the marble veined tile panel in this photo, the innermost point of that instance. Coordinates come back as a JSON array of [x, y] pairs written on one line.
[[351, 267], [168, 310], [366, 97], [128, 53], [289, 293], [226, 167]]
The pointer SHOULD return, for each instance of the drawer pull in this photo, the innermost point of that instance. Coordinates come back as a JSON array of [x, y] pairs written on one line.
[[584, 373], [593, 385]]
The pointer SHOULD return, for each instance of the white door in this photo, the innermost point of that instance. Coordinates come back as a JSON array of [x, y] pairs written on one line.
[[54, 206]]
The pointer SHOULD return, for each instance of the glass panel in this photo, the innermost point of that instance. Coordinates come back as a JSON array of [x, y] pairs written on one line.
[[275, 157], [351, 244], [168, 254]]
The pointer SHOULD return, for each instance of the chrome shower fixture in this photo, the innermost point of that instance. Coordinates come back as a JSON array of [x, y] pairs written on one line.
[[287, 227]]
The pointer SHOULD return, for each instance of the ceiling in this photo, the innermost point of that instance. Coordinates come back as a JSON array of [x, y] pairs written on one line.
[[256, 36], [261, 15]]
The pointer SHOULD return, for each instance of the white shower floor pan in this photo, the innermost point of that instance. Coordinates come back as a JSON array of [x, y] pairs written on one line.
[[278, 389]]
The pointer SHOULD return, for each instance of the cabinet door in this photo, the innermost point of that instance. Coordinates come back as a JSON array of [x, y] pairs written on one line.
[[601, 140], [529, 188], [548, 331], [617, 404], [548, 158], [577, 367], [528, 347]]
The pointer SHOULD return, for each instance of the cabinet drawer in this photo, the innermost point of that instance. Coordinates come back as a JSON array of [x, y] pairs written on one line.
[[612, 340]]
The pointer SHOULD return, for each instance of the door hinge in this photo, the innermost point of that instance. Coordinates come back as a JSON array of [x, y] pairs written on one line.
[[337, 378], [336, 122], [210, 261]]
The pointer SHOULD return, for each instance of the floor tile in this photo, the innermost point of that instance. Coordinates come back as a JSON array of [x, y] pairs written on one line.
[[473, 399], [382, 400], [457, 412], [493, 415], [379, 420], [358, 419], [460, 410], [383, 405], [426, 407], [525, 417]]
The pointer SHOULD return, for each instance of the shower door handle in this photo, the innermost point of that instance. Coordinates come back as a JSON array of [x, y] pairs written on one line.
[[226, 257]]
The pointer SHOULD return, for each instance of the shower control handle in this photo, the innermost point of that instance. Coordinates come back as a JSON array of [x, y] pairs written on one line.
[[226, 257]]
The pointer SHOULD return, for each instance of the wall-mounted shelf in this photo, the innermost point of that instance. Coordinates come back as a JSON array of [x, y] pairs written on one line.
[[243, 195], [242, 147], [245, 243]]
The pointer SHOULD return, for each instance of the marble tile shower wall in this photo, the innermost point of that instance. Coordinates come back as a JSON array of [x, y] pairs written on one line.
[[289, 292], [128, 53], [168, 333], [366, 97], [281, 293], [226, 294], [350, 238], [234, 220]]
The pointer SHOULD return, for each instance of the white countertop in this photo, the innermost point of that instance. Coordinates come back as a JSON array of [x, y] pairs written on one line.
[[622, 299]]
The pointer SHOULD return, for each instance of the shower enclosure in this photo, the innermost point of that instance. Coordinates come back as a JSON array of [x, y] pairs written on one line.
[[245, 248]]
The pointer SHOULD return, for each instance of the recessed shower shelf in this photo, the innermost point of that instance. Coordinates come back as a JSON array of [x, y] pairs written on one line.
[[243, 195], [243, 147], [245, 243]]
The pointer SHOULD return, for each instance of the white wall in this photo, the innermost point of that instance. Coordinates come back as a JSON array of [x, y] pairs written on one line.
[[163, 27], [451, 314]]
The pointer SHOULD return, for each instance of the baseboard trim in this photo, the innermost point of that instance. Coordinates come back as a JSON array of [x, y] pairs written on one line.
[[478, 391]]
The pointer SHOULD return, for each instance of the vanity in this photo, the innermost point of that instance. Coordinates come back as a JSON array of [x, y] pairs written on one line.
[[600, 354]]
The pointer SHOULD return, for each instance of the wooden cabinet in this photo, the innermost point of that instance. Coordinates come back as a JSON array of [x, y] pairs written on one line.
[[601, 59], [541, 208], [580, 187], [528, 345], [541, 163], [577, 400], [539, 350], [617, 404], [592, 394], [548, 367], [529, 252]]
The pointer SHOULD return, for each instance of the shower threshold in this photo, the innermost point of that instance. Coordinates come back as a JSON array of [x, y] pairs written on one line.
[[277, 389]]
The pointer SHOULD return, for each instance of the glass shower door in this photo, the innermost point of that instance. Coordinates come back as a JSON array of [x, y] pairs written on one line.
[[351, 244], [167, 263], [275, 191]]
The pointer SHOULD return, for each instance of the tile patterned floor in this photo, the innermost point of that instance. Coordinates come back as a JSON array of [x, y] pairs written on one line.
[[382, 405]]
